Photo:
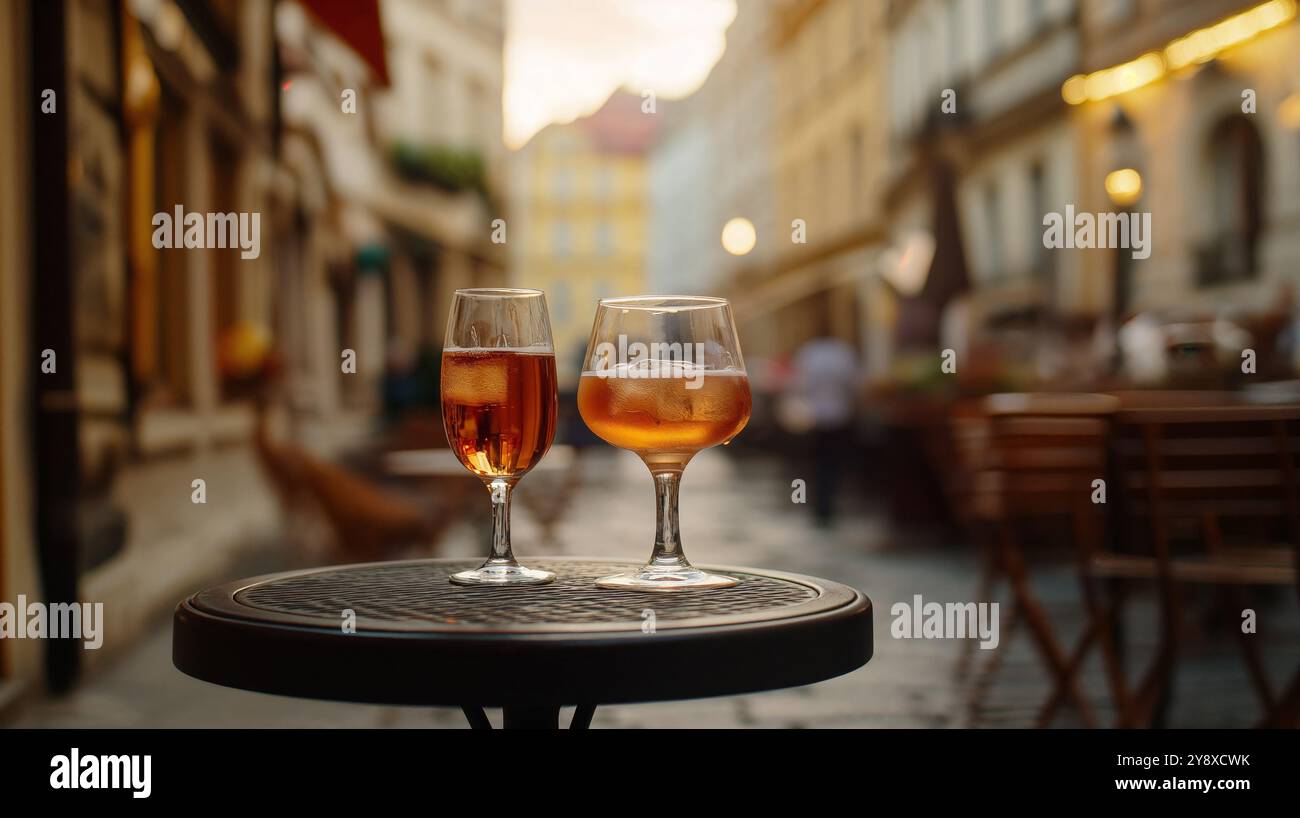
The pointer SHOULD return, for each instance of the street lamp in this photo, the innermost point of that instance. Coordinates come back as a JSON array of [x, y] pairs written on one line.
[[1124, 187]]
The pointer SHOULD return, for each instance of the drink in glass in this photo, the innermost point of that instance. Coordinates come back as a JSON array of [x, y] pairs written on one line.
[[499, 407], [664, 378]]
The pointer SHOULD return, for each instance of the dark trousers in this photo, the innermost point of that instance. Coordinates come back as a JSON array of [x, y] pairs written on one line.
[[830, 445]]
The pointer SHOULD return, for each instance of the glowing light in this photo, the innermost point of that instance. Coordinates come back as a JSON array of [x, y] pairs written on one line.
[[1124, 186], [1198, 47], [563, 59], [739, 236], [1205, 44], [1119, 79], [906, 266]]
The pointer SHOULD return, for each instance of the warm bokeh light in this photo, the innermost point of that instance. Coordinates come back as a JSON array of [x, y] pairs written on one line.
[[1199, 46], [906, 266], [1119, 79], [1124, 186], [1204, 44], [565, 57], [739, 236]]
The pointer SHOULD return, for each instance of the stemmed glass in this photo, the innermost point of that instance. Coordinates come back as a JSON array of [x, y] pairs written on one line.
[[664, 378], [499, 407]]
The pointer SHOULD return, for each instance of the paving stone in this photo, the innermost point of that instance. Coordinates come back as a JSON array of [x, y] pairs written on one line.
[[739, 512]]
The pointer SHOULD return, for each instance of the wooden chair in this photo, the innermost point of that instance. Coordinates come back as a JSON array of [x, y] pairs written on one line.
[[364, 520], [1214, 489], [1033, 457], [551, 491]]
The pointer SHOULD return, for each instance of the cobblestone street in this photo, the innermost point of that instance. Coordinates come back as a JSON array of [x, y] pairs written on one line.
[[736, 512]]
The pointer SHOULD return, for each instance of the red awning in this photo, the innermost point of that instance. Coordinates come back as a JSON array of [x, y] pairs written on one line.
[[356, 22]]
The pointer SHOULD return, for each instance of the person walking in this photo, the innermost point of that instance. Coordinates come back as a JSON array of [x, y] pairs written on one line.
[[825, 387]]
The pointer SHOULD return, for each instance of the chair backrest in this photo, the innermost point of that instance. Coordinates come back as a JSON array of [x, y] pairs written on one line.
[[1042, 453], [1225, 462]]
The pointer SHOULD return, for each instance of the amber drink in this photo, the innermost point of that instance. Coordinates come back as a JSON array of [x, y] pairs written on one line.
[[663, 377], [668, 416], [498, 408]]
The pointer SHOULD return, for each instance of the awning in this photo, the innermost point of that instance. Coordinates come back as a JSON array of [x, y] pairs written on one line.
[[357, 23], [919, 318]]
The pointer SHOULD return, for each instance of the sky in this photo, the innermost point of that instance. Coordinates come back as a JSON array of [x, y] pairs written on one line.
[[565, 57]]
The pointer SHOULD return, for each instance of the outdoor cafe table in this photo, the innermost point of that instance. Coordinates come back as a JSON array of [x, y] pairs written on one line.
[[419, 640]]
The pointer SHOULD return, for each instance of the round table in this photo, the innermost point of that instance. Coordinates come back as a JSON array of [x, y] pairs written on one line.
[[400, 633]]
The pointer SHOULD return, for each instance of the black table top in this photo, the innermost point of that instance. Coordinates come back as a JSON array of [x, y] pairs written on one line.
[[421, 640]]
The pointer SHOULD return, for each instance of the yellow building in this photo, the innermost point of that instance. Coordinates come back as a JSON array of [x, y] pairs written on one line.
[[827, 145], [578, 229]]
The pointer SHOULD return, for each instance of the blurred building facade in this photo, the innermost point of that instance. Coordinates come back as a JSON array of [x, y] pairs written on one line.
[[713, 161], [19, 659], [975, 100], [371, 211], [111, 356], [940, 129], [829, 151], [1222, 182], [581, 210], [682, 250], [799, 96], [413, 171]]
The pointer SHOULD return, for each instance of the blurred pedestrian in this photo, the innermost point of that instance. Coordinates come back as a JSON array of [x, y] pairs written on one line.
[[823, 398]]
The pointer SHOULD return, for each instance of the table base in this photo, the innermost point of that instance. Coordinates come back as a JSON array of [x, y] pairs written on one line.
[[546, 717]]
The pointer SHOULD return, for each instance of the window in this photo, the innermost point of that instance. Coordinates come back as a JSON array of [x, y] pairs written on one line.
[[856, 172], [954, 41], [1235, 156], [558, 299], [431, 97], [561, 240], [562, 183], [821, 196], [1038, 255], [605, 183], [604, 238], [992, 27], [858, 26], [993, 261], [481, 103], [1037, 15]]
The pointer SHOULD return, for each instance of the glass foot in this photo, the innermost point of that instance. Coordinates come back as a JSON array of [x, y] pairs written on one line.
[[502, 573], [656, 579]]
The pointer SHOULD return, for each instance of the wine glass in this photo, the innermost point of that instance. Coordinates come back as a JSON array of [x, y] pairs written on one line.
[[663, 377], [499, 407]]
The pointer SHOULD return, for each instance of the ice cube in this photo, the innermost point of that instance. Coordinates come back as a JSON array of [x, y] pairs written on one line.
[[475, 378]]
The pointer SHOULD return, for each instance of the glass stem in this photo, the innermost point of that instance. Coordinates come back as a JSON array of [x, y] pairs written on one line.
[[668, 542], [501, 552]]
